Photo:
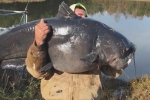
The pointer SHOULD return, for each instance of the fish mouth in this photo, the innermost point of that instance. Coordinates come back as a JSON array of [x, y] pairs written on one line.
[[121, 60], [119, 63]]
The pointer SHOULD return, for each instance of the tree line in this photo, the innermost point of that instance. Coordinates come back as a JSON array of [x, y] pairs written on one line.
[[49, 8]]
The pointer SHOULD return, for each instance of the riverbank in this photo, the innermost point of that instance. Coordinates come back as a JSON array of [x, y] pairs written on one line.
[[136, 89], [113, 89]]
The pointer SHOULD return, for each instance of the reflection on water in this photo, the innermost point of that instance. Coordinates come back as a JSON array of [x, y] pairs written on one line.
[[129, 18], [138, 32], [11, 1], [49, 8]]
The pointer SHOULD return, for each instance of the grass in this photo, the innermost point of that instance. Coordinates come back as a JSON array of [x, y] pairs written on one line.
[[113, 89], [136, 89], [25, 90], [140, 88]]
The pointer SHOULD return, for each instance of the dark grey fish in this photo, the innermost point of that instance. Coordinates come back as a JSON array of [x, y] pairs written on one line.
[[75, 44]]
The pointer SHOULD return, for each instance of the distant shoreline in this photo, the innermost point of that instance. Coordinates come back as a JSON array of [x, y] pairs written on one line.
[[11, 1]]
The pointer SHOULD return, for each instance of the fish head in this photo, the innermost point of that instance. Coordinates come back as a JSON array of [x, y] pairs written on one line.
[[117, 57], [115, 50]]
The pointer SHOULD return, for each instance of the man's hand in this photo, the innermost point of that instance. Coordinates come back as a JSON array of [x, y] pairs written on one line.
[[41, 31]]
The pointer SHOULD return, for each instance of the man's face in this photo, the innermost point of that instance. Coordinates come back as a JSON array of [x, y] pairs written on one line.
[[80, 12]]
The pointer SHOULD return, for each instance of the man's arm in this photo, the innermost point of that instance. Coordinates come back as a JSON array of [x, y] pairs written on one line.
[[37, 53]]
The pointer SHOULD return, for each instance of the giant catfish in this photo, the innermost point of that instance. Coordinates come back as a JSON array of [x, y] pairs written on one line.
[[74, 45]]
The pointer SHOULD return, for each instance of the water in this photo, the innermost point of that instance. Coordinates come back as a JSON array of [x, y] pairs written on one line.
[[138, 32], [129, 18]]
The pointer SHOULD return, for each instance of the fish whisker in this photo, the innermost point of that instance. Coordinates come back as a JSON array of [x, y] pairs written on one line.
[[134, 64], [125, 74]]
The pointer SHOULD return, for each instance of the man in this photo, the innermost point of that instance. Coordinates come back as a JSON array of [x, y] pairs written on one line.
[[56, 85], [79, 10]]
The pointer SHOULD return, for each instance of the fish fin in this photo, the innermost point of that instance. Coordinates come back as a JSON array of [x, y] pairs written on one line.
[[46, 67], [65, 12], [91, 58]]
